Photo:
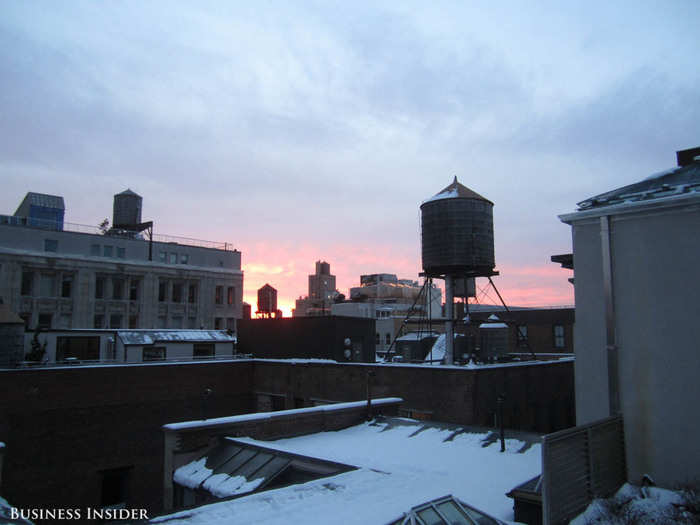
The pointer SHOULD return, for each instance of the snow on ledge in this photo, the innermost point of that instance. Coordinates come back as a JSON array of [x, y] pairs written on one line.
[[264, 416]]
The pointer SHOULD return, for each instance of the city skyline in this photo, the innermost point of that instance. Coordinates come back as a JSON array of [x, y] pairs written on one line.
[[314, 132]]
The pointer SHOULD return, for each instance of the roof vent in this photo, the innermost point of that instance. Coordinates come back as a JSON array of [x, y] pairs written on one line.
[[687, 156]]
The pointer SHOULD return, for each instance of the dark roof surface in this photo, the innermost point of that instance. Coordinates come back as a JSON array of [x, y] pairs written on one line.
[[673, 182], [47, 201], [129, 192]]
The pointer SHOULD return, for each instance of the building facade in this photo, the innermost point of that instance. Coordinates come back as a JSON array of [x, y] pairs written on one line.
[[388, 300], [81, 277], [635, 253], [322, 293]]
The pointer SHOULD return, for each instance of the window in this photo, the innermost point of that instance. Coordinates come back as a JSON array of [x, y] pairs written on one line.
[[108, 250], [47, 285], [66, 286], [117, 289], [45, 321], [559, 340], [203, 350], [134, 290], [192, 294], [162, 256], [173, 258], [133, 321], [27, 283], [99, 287], [230, 292], [185, 258], [162, 321], [95, 249], [121, 252], [84, 348], [191, 322], [162, 291], [176, 322], [377, 338], [177, 292], [99, 321], [387, 339], [217, 323], [230, 323], [154, 353], [115, 321], [50, 245], [219, 299]]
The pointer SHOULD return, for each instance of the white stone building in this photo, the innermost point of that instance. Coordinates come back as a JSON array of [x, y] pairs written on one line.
[[57, 275]]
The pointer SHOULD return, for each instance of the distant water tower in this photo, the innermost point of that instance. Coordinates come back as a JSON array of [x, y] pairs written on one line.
[[127, 210], [456, 243]]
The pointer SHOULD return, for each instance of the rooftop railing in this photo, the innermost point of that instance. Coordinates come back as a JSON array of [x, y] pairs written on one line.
[[44, 224]]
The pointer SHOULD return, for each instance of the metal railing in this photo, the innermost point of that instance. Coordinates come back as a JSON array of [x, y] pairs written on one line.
[[43, 224], [580, 464]]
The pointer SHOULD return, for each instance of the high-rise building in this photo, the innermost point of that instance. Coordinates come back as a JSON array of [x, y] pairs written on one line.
[[322, 292]]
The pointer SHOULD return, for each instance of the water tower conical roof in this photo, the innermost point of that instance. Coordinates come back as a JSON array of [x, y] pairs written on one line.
[[457, 191]]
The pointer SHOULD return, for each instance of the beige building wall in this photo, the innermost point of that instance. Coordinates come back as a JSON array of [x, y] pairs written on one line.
[[61, 279]]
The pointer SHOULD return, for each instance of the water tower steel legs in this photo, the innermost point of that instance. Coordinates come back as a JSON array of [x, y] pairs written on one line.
[[449, 324]]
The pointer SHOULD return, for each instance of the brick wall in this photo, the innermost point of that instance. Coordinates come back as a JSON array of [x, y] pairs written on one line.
[[538, 397], [63, 426]]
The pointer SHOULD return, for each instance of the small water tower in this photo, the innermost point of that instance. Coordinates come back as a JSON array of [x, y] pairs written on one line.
[[127, 210], [456, 243]]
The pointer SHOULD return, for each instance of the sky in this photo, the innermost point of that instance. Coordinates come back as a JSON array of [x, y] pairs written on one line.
[[305, 131]]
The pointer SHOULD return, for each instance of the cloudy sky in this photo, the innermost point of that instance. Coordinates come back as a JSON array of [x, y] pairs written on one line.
[[309, 130]]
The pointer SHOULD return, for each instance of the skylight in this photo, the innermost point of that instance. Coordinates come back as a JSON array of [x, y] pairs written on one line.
[[233, 468], [447, 510]]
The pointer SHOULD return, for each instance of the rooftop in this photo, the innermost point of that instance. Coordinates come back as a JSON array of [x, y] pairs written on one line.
[[43, 200], [24, 222], [401, 463], [148, 337], [680, 180], [456, 191]]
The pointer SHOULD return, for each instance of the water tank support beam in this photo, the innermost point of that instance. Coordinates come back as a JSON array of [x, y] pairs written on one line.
[[449, 323], [505, 306]]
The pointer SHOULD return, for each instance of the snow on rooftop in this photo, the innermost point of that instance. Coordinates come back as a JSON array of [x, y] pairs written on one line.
[[148, 337], [646, 505], [416, 336], [437, 352], [401, 463], [449, 194], [261, 416]]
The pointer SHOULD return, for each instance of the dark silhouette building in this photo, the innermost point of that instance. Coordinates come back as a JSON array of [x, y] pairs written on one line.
[[267, 302]]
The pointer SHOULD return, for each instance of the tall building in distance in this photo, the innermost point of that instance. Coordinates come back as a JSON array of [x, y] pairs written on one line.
[[322, 293], [57, 275], [267, 302]]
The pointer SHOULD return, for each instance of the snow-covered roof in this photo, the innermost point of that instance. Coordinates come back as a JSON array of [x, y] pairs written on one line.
[[416, 336], [491, 326], [261, 416], [401, 464], [149, 337], [456, 191], [677, 181], [233, 468]]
